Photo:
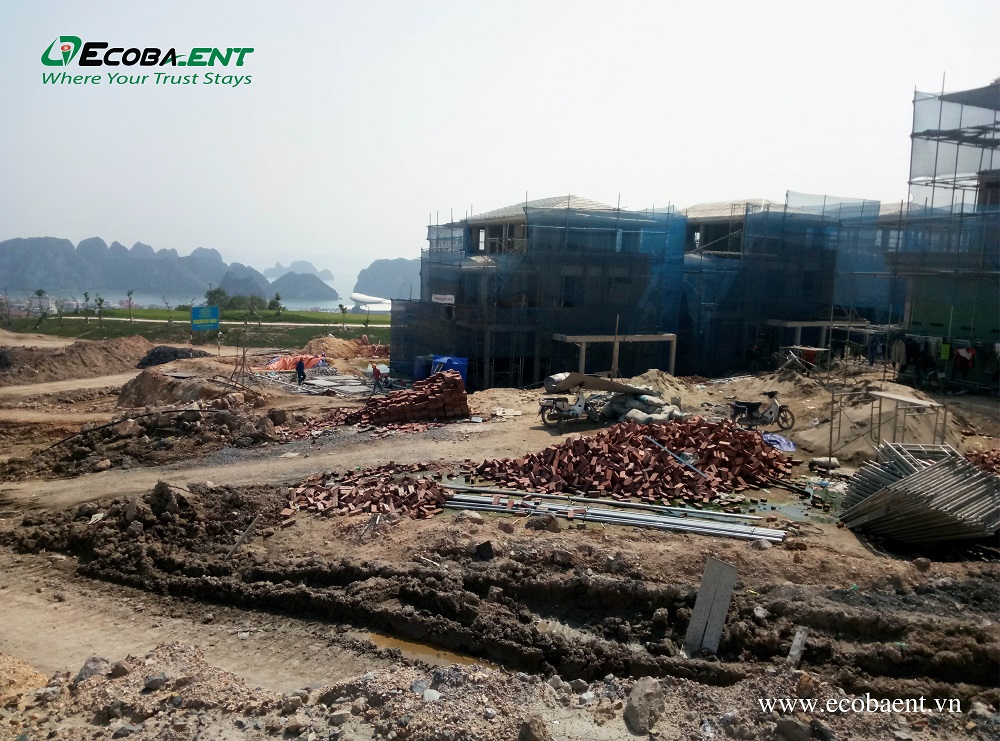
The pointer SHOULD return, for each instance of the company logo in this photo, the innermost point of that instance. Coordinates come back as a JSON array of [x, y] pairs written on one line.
[[65, 49], [61, 51]]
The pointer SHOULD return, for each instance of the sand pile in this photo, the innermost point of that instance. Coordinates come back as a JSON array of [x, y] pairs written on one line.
[[332, 347]]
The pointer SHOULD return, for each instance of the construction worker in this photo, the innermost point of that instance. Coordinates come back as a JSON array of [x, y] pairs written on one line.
[[376, 379], [300, 371]]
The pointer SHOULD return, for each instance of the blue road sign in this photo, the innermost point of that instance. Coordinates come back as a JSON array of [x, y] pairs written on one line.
[[204, 317]]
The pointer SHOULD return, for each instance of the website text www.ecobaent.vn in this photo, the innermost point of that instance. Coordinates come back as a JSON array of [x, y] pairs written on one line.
[[155, 78], [863, 704]]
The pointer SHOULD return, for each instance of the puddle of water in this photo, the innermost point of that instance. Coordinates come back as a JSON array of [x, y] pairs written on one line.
[[799, 510], [422, 652]]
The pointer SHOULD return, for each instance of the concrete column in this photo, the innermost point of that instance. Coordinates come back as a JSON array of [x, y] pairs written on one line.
[[673, 355], [614, 358], [822, 336], [583, 357], [798, 336], [488, 359]]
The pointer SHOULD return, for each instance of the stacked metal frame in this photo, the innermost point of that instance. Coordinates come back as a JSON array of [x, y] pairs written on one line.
[[923, 494]]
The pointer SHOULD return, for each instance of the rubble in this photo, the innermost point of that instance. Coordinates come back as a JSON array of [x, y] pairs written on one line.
[[391, 489], [986, 460], [620, 462], [148, 438]]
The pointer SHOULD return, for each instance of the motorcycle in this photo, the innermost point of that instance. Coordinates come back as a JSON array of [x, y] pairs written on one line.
[[748, 413], [557, 409]]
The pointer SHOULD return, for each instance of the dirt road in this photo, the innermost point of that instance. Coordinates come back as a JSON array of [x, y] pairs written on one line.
[[111, 621], [283, 463], [8, 393], [29, 339]]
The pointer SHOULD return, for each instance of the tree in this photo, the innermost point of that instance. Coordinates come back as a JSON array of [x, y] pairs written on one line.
[[99, 301], [275, 305], [343, 315], [166, 303], [60, 306], [43, 311], [217, 297], [5, 308], [86, 304], [129, 293]]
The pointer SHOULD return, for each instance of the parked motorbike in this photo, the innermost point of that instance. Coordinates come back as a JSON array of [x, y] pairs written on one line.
[[748, 413], [555, 410]]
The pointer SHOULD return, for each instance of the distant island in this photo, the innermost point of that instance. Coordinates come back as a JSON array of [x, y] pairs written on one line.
[[54, 264], [297, 266], [397, 279]]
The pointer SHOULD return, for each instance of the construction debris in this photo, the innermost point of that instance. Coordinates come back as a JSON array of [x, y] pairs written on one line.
[[162, 354], [923, 494], [620, 462], [148, 439], [442, 396], [391, 489], [986, 460]]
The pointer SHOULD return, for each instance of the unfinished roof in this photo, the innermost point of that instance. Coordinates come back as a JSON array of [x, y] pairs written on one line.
[[729, 209], [516, 210], [984, 97]]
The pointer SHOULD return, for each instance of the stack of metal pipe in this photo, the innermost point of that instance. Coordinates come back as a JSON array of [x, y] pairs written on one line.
[[579, 512], [894, 462], [924, 497]]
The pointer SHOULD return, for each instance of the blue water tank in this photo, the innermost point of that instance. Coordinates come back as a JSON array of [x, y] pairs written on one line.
[[447, 362]]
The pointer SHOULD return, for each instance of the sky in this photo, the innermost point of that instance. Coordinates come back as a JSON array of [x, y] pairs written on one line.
[[364, 122]]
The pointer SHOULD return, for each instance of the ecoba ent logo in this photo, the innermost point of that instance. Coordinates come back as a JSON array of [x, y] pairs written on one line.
[[69, 46], [62, 51]]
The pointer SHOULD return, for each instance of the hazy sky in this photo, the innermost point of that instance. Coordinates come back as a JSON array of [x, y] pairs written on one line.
[[362, 118]]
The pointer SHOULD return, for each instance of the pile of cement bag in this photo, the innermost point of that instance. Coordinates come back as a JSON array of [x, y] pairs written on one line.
[[643, 409]]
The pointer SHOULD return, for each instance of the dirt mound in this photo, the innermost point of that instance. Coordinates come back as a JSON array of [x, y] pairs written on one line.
[[332, 347], [149, 439], [485, 403], [663, 383], [82, 359], [17, 676], [151, 388], [165, 354]]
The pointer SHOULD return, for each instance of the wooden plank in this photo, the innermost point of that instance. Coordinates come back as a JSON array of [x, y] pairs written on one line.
[[709, 616], [798, 646]]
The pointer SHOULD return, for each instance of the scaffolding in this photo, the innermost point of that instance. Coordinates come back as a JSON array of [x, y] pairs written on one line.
[[955, 151], [815, 263]]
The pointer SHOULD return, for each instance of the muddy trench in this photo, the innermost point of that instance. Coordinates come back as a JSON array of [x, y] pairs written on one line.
[[893, 644]]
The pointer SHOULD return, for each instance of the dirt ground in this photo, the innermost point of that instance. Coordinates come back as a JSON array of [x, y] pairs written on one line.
[[334, 627]]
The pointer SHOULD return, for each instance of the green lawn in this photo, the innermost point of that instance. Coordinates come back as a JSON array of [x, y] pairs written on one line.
[[179, 333], [303, 317]]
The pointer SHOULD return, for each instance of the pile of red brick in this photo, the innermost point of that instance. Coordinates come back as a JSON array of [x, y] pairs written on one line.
[[442, 396], [986, 460], [390, 489], [621, 463]]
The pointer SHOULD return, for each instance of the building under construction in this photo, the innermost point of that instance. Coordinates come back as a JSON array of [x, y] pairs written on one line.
[[546, 286], [822, 272], [570, 284]]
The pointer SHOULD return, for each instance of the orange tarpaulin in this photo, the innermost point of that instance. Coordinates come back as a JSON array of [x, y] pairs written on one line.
[[288, 362]]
